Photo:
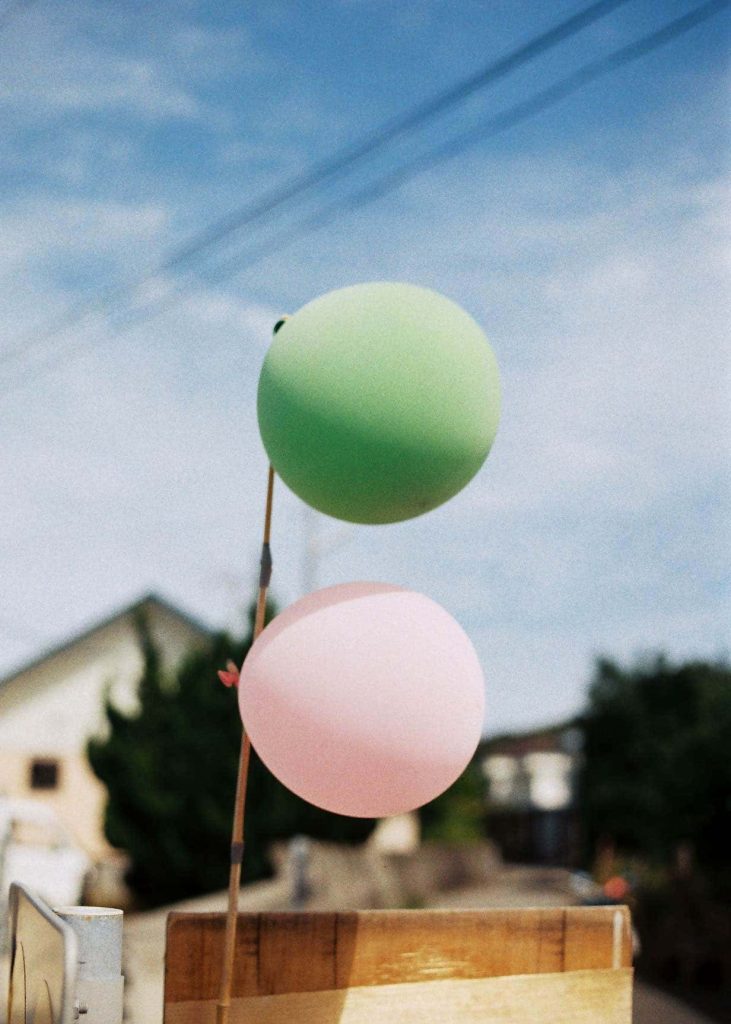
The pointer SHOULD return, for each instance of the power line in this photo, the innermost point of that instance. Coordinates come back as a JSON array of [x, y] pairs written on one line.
[[325, 170], [399, 125], [540, 102], [495, 125]]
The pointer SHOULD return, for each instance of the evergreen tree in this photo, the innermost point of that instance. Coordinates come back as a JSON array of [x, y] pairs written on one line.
[[458, 815], [170, 772], [656, 769]]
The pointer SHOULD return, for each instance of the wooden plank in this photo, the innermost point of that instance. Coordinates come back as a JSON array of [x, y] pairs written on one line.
[[296, 953], [385, 947], [300, 952], [597, 937], [193, 953], [575, 997]]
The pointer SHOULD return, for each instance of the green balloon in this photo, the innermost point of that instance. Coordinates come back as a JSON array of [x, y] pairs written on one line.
[[378, 402]]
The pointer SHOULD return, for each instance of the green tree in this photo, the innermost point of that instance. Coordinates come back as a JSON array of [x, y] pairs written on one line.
[[458, 815], [657, 770], [170, 772]]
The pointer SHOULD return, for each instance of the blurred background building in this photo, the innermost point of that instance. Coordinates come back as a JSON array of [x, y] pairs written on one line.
[[531, 795], [50, 708]]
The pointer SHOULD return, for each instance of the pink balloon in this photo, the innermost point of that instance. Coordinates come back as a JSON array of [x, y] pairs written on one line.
[[364, 699]]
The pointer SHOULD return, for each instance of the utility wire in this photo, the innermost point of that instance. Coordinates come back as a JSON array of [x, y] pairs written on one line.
[[391, 130], [540, 102], [323, 171]]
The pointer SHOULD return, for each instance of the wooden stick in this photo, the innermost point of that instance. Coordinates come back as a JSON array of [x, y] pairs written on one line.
[[237, 832]]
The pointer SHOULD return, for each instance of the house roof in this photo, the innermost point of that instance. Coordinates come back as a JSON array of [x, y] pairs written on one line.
[[147, 601], [560, 737]]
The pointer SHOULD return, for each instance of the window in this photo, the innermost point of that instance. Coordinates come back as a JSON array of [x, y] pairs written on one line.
[[44, 773]]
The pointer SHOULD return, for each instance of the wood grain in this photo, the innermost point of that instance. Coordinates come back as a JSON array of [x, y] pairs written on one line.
[[574, 997], [279, 954], [297, 953], [591, 938]]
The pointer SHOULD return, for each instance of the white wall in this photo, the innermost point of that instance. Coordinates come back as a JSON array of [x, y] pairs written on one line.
[[56, 705], [52, 708]]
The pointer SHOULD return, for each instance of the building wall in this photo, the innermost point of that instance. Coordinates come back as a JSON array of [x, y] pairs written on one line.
[[531, 798], [78, 800], [50, 711]]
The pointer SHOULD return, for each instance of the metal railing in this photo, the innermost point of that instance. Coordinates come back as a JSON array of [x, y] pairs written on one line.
[[65, 964]]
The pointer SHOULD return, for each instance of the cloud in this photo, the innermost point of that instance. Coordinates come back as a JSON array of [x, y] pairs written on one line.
[[46, 227], [76, 61], [207, 52], [82, 82], [597, 522], [600, 519], [127, 454]]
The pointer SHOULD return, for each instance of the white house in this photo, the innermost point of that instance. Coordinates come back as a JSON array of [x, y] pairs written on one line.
[[532, 793], [50, 707]]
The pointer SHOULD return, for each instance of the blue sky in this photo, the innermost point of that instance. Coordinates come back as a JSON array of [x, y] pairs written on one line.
[[590, 242]]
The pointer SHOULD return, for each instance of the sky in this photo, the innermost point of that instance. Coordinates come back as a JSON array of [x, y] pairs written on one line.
[[589, 241]]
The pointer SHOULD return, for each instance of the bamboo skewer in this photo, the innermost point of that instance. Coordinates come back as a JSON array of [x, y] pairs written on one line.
[[237, 831]]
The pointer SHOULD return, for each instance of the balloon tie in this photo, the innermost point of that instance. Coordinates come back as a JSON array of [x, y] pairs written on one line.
[[230, 675], [265, 576]]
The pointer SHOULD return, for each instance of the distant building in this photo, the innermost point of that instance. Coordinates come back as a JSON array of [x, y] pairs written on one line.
[[399, 834], [531, 781], [50, 708]]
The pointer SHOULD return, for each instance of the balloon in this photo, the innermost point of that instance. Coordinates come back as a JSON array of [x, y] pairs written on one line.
[[378, 402], [363, 698]]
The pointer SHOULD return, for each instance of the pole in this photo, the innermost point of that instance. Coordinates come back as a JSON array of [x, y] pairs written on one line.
[[237, 832], [99, 993]]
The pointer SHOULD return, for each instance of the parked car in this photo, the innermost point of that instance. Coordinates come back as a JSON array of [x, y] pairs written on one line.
[[37, 850]]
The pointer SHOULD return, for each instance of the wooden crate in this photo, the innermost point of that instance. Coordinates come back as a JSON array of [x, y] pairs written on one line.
[[568, 966]]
